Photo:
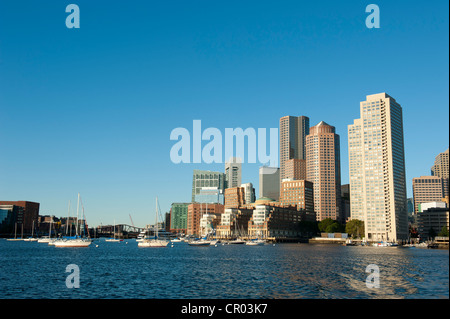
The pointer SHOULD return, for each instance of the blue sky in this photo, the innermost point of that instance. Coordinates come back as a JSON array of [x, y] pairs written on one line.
[[90, 110]]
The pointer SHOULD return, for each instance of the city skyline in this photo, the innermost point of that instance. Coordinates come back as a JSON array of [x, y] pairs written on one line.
[[90, 111]]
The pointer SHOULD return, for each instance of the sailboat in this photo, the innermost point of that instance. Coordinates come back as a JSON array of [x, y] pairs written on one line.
[[77, 241], [15, 234], [32, 238], [114, 239], [256, 242], [154, 242], [237, 240], [47, 239], [200, 242]]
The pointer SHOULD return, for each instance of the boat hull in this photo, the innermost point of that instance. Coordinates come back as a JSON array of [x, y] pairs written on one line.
[[45, 240], [153, 243], [255, 243], [236, 242], [71, 243], [200, 243]]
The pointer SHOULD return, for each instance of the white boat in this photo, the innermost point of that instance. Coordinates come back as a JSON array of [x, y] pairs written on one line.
[[114, 239], [200, 242], [77, 241], [256, 242], [141, 236], [175, 240], [349, 242], [383, 244], [45, 239], [32, 238], [204, 241], [154, 242]]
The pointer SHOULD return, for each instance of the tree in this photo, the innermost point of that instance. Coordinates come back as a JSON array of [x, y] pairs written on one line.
[[355, 228], [443, 232], [323, 224], [333, 228], [329, 225]]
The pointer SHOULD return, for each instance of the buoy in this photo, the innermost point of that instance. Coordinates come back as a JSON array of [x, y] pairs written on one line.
[[96, 245]]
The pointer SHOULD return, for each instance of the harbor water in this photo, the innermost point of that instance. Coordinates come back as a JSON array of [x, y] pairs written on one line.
[[122, 270]]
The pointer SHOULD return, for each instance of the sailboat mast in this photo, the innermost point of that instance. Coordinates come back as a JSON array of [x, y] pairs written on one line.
[[50, 228], [68, 218], [156, 217], [76, 226]]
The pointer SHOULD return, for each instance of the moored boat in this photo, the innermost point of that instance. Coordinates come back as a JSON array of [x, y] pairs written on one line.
[[77, 241], [255, 242], [154, 242]]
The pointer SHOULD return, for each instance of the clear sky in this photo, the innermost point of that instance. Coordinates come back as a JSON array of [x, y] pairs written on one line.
[[90, 110]]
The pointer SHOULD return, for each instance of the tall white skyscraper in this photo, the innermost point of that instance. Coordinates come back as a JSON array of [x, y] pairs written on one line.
[[377, 169], [233, 172]]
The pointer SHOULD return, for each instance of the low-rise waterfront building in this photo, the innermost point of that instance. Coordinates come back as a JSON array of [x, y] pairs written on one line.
[[276, 221], [432, 218], [234, 223]]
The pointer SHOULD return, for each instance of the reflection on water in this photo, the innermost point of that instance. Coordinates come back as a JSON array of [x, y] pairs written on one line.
[[120, 270]]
